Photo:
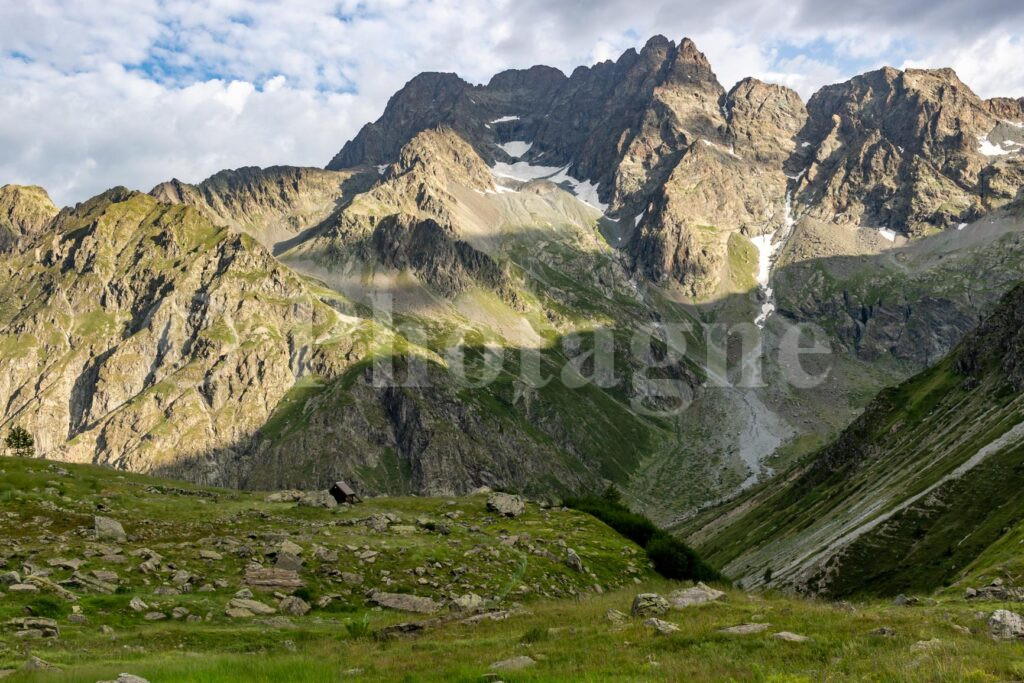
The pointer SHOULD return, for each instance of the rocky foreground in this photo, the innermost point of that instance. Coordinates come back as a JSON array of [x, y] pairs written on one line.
[[107, 576]]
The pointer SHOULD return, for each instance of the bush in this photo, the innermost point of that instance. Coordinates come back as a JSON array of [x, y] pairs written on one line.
[[304, 593], [671, 558]]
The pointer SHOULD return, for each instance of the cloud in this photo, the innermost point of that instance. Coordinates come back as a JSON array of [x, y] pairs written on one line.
[[136, 91]]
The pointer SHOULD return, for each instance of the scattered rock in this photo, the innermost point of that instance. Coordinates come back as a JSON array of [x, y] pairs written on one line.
[[904, 601], [210, 555], [290, 548], [615, 616], [317, 499], [468, 602], [108, 529], [790, 637], [155, 616], [573, 561], [506, 504], [649, 605], [514, 664], [251, 606], [745, 629], [404, 602], [1006, 625], [289, 496], [288, 562], [36, 664], [126, 678], [34, 627], [351, 578], [294, 606], [926, 645], [662, 627], [698, 595], [273, 579], [23, 588]]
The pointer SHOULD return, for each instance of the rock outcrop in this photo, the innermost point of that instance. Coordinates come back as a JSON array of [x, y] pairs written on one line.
[[25, 211]]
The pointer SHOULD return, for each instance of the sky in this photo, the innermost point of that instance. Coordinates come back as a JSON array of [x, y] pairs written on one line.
[[98, 93]]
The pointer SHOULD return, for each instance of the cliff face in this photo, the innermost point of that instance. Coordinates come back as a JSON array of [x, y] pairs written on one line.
[[906, 150]]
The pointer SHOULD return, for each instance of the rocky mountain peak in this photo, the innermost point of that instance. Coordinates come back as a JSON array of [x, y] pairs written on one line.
[[25, 210], [441, 153]]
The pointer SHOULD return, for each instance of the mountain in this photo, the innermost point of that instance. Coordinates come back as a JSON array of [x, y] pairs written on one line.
[[909, 496], [292, 326]]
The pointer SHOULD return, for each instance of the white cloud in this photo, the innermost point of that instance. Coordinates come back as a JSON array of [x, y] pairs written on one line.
[[94, 94]]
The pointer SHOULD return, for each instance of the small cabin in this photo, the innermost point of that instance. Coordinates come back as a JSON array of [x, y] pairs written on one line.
[[343, 493]]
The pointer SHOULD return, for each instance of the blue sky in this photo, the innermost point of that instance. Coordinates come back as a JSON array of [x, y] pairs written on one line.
[[96, 93]]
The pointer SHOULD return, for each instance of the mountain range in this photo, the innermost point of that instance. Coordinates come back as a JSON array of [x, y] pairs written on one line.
[[234, 332]]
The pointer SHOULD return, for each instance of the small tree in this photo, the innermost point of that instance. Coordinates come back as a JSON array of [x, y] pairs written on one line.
[[612, 495], [20, 442]]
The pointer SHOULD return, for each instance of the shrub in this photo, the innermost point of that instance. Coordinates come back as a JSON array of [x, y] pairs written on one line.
[[671, 558], [304, 593], [20, 442]]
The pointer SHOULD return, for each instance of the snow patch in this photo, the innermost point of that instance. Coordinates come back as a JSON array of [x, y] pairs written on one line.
[[515, 148], [381, 169], [585, 190], [805, 144], [887, 234], [504, 119], [992, 150], [768, 248], [961, 226], [727, 150]]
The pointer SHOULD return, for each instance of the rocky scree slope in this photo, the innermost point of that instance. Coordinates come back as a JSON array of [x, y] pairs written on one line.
[[908, 496]]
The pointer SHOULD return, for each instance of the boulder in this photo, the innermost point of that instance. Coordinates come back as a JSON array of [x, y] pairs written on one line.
[[662, 627], [404, 602], [126, 678], [290, 548], [744, 629], [289, 496], [40, 627], [506, 504], [317, 499], [1006, 625], [210, 555], [294, 606], [468, 602], [273, 579], [573, 561], [697, 595], [514, 664], [137, 605], [108, 529], [649, 605], [615, 616], [790, 637], [288, 562], [251, 606]]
